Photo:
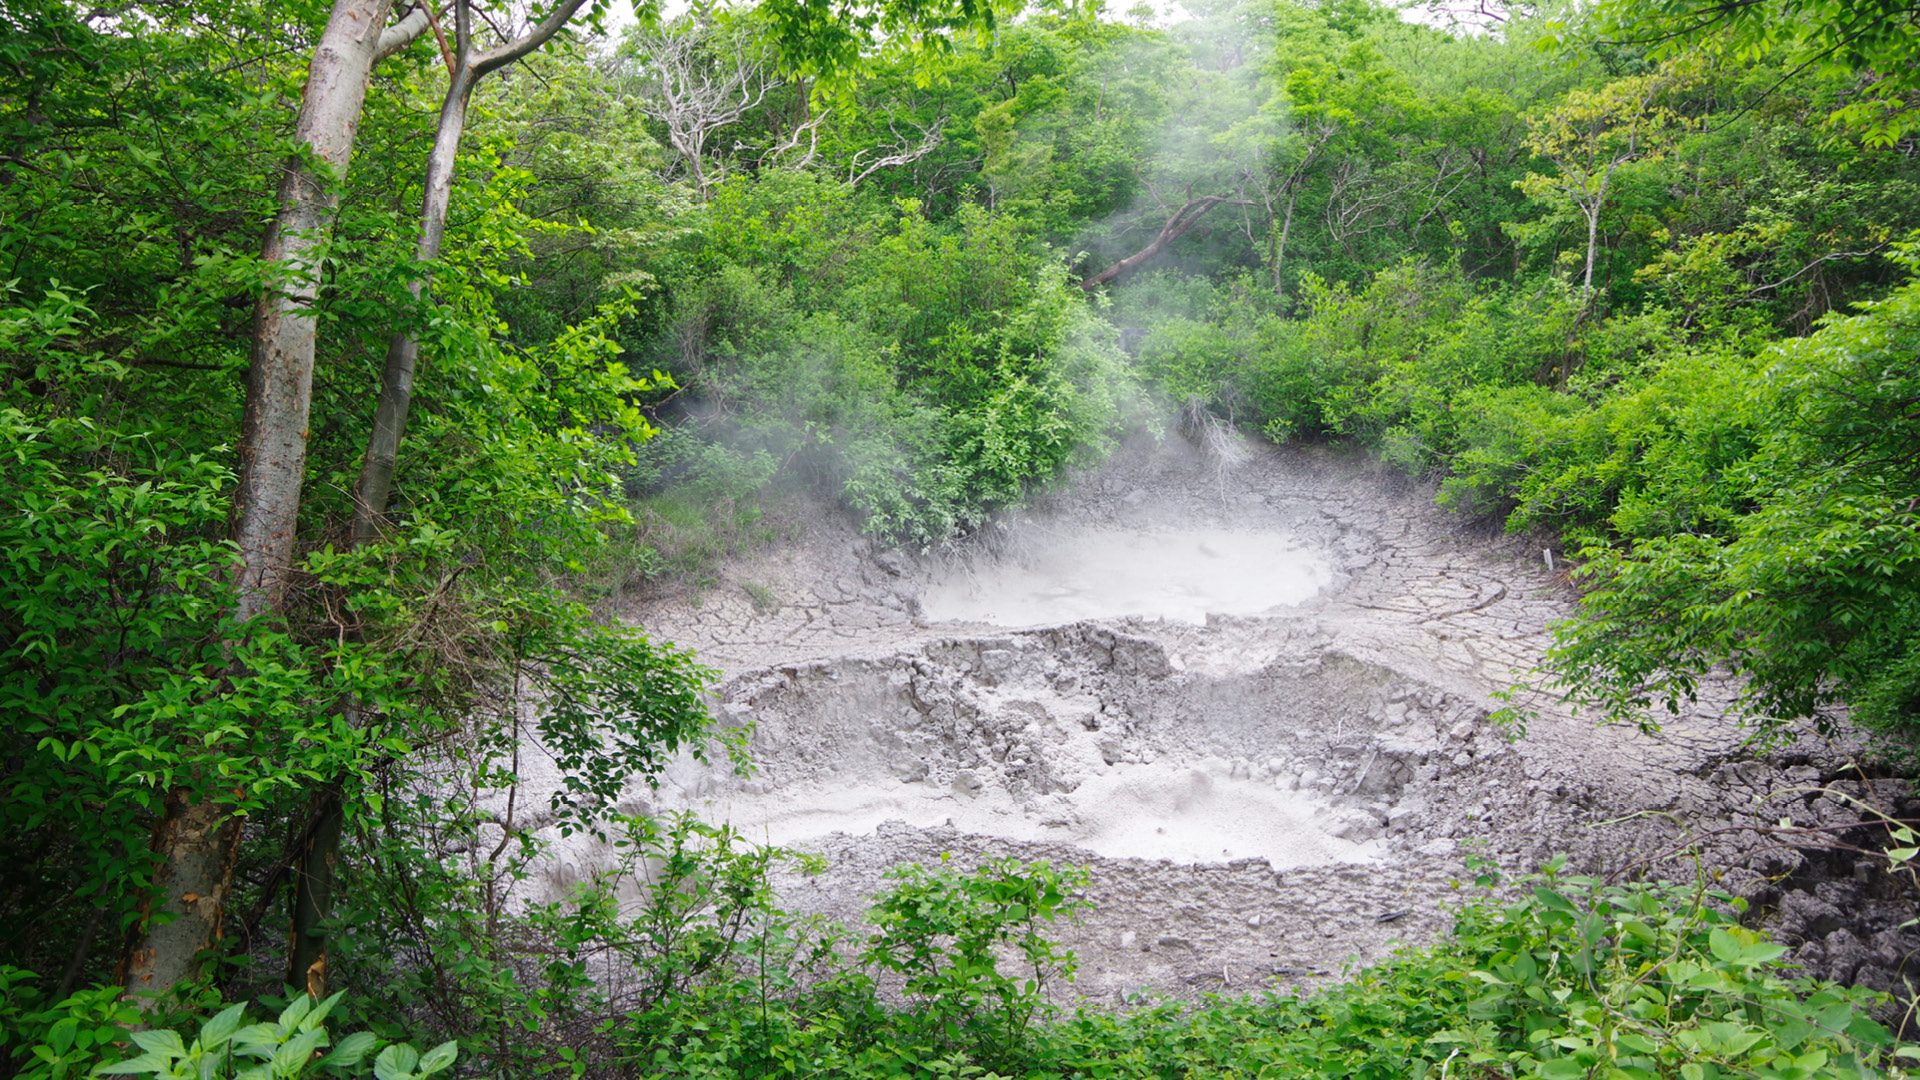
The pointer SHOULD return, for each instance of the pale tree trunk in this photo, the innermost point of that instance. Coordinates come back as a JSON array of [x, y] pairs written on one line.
[[403, 349], [1593, 251], [194, 840], [693, 153], [396, 384], [317, 858], [1280, 237], [1593, 208], [1277, 251]]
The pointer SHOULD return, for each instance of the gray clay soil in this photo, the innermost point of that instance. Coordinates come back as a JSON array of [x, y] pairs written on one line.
[[1263, 798]]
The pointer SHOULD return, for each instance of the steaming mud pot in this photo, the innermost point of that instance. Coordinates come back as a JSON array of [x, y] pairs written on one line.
[[1062, 575], [1255, 700]]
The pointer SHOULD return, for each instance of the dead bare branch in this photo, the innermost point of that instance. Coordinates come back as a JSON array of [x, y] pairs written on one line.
[[905, 149], [696, 77]]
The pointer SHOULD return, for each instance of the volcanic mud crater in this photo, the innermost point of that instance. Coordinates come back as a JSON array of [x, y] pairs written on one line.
[[1255, 699]]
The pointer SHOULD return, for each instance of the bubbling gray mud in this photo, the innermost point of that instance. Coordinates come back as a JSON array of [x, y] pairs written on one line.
[[1255, 701], [1074, 737]]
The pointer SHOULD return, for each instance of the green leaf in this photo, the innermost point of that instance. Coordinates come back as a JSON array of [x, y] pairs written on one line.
[[160, 1041], [396, 1062], [292, 1058], [350, 1051], [221, 1027], [295, 1011], [438, 1058], [1550, 899], [320, 1011], [145, 1063]]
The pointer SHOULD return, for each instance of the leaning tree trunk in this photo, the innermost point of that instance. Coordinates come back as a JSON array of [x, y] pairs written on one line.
[[1186, 218], [466, 69], [319, 852], [195, 840], [1279, 252]]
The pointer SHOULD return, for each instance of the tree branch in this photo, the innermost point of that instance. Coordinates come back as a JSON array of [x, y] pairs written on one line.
[[1183, 219], [529, 41], [401, 34]]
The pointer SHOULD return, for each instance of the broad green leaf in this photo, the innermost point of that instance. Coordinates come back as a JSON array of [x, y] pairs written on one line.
[[222, 1026], [396, 1062], [439, 1058], [350, 1051], [160, 1041]]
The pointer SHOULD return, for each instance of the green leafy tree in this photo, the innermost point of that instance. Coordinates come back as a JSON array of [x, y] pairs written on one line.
[[1872, 44], [1802, 579], [1591, 137]]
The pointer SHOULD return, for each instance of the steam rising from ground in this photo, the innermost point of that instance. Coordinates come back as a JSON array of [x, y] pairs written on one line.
[[1069, 574]]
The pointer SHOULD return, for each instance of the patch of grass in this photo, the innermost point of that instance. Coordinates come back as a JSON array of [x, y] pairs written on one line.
[[765, 600], [680, 536]]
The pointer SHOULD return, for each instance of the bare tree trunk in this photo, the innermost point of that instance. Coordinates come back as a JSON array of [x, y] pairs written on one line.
[[273, 443], [1593, 247], [1593, 210], [1280, 248], [194, 843], [194, 840], [1184, 219], [693, 154], [315, 870], [403, 349]]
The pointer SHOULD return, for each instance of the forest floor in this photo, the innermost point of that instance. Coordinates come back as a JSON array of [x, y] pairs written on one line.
[[1251, 689]]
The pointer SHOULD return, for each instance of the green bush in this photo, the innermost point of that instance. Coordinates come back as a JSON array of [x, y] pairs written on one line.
[[1770, 528], [96, 1033], [1550, 976], [1391, 363], [925, 373]]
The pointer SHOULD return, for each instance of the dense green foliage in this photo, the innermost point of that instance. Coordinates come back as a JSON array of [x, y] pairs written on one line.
[[1558, 977], [927, 373], [132, 213], [1550, 977], [1640, 277], [95, 1035]]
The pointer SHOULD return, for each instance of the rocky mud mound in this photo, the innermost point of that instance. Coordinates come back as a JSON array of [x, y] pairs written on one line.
[[1256, 700]]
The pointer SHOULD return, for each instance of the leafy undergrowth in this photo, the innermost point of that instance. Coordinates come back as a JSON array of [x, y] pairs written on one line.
[[1562, 978], [1554, 977]]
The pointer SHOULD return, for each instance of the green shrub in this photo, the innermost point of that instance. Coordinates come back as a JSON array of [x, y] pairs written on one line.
[[926, 374], [65, 1039], [1390, 363], [1547, 977], [97, 1033], [946, 935], [1770, 528], [1565, 978]]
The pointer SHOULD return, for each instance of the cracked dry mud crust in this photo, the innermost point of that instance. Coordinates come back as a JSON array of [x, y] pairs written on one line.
[[1261, 799]]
